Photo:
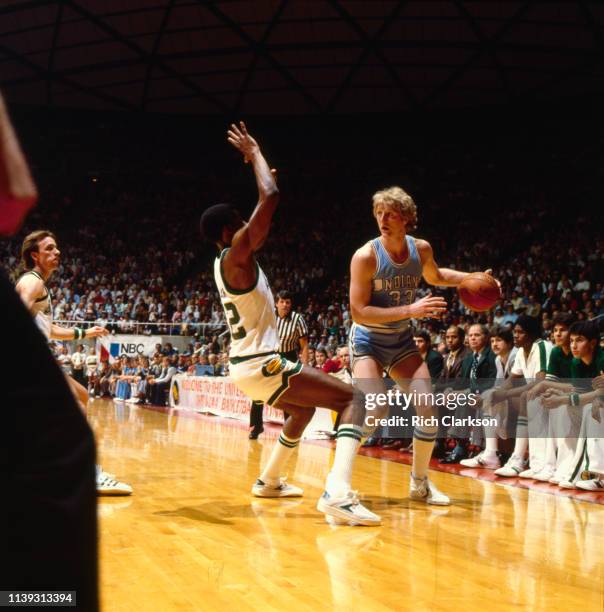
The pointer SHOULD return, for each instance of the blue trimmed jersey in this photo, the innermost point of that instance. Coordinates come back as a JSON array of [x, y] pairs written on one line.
[[394, 284]]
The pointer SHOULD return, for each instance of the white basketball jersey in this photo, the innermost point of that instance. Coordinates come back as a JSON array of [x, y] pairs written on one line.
[[250, 314], [42, 308]]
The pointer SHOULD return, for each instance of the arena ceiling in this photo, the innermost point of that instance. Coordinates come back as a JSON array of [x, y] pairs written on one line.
[[296, 56]]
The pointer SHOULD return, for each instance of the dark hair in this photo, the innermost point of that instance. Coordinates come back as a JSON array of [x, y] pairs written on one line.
[[530, 325], [564, 318], [215, 219], [461, 332], [31, 245], [505, 333], [284, 294], [589, 329], [321, 351], [422, 333]]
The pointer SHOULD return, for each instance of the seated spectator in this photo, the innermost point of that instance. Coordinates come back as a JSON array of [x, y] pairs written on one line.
[[114, 375], [510, 316], [157, 387], [320, 358], [124, 380], [139, 380], [433, 359], [204, 367], [477, 374]]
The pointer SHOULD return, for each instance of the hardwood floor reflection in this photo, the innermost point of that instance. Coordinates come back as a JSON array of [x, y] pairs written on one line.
[[193, 538]]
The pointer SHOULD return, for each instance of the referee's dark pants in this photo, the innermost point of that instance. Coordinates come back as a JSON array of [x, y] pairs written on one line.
[[256, 420], [48, 512]]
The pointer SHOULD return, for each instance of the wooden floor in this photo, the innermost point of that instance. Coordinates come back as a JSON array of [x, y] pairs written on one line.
[[193, 538]]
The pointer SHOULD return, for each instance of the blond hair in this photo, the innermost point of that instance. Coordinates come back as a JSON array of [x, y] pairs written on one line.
[[399, 200], [31, 245]]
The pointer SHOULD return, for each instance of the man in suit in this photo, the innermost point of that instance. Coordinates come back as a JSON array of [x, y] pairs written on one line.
[[457, 352], [477, 374]]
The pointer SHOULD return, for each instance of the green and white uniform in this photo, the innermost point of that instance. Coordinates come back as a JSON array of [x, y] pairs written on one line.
[[589, 455], [256, 366], [538, 417], [564, 423], [42, 309]]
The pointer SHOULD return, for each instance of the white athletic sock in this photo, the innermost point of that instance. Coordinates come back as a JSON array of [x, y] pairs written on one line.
[[282, 451], [490, 439], [423, 445], [348, 440], [521, 445]]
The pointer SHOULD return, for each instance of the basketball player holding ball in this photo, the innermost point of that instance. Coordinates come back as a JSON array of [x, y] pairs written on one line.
[[385, 274]]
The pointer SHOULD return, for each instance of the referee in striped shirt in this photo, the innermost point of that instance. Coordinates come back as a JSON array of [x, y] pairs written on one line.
[[293, 340]]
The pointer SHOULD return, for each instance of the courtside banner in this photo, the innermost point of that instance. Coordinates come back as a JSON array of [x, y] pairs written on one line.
[[113, 347], [215, 395]]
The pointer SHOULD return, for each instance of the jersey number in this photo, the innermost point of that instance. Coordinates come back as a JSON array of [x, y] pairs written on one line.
[[395, 297], [233, 318]]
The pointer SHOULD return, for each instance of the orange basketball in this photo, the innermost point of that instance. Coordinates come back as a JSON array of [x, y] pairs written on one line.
[[479, 291]]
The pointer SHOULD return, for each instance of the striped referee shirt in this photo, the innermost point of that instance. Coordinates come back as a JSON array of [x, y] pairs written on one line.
[[290, 329]]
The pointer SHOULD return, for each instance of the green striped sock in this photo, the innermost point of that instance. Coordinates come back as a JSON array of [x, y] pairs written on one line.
[[348, 440], [282, 451]]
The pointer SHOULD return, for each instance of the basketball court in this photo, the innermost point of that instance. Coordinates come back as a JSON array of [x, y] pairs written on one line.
[[194, 538]]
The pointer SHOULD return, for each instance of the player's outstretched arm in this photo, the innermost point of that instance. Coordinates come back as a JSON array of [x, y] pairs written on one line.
[[57, 332], [362, 268], [251, 237], [433, 275], [441, 277]]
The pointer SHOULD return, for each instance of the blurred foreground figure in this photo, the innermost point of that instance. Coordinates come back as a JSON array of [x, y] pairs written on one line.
[[48, 513]]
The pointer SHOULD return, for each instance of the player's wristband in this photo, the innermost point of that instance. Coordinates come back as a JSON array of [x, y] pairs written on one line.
[[79, 334], [574, 399]]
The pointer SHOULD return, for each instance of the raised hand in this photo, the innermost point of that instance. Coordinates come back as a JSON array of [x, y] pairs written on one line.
[[242, 141], [429, 306]]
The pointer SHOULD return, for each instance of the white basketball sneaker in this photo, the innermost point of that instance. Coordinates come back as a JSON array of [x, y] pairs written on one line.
[[346, 509], [567, 484], [545, 474], [107, 485], [595, 484], [512, 468], [482, 460], [283, 489], [530, 473], [421, 489]]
